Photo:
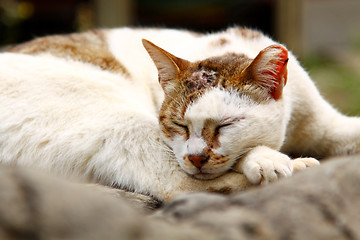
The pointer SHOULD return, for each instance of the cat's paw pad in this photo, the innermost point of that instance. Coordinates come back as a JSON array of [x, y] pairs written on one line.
[[266, 165], [302, 163]]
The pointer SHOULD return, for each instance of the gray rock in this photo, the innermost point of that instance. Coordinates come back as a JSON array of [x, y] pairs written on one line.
[[37, 206], [318, 203]]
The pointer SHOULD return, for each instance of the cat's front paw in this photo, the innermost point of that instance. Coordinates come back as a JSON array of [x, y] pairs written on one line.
[[302, 163], [263, 165]]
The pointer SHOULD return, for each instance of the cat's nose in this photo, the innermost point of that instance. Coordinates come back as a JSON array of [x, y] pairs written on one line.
[[198, 160]]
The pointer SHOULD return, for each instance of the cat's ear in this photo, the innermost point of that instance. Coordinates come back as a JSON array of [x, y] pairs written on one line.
[[169, 66], [269, 70]]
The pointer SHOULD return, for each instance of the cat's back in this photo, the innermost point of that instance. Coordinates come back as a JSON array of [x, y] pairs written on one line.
[[60, 93], [85, 60], [55, 110], [46, 76], [66, 84]]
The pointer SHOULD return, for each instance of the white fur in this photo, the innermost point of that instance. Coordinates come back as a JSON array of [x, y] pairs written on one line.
[[73, 119], [263, 162]]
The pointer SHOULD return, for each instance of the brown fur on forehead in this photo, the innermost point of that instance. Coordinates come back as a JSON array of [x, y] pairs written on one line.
[[229, 62], [172, 111], [225, 71], [174, 106], [221, 71], [89, 47]]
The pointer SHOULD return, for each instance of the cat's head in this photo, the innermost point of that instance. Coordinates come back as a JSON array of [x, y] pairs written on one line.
[[217, 109]]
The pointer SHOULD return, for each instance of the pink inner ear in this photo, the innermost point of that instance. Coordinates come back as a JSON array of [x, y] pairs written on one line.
[[270, 69]]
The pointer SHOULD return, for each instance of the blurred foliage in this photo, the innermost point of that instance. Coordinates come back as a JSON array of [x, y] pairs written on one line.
[[338, 79]]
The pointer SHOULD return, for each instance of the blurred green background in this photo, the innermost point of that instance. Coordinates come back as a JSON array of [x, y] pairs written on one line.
[[324, 34]]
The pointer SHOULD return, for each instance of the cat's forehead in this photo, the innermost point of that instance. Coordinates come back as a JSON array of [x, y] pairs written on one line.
[[217, 104], [215, 71], [226, 64], [229, 59]]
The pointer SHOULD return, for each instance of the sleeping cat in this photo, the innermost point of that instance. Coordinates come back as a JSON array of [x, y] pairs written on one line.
[[202, 112]]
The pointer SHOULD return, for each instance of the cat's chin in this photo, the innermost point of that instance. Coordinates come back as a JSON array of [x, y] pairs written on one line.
[[206, 176]]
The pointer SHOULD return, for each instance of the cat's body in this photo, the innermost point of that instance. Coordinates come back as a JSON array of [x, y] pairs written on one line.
[[88, 105]]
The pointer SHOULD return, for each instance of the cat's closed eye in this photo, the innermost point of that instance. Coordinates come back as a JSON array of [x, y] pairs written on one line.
[[227, 122], [222, 126], [183, 126]]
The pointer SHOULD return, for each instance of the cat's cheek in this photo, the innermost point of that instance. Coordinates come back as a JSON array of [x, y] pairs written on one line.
[[177, 144], [230, 143]]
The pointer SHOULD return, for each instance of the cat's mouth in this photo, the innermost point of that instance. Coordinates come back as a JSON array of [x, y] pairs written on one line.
[[201, 175]]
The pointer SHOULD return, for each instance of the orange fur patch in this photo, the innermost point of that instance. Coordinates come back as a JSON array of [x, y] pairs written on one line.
[[246, 32], [211, 134], [89, 47], [219, 42]]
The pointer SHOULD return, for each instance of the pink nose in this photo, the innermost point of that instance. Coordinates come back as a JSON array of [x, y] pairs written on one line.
[[198, 160]]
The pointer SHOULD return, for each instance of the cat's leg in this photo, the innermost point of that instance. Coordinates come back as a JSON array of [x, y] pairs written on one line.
[[318, 130], [341, 136], [264, 165], [315, 128]]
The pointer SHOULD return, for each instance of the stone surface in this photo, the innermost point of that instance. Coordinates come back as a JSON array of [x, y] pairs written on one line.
[[37, 206], [318, 203]]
